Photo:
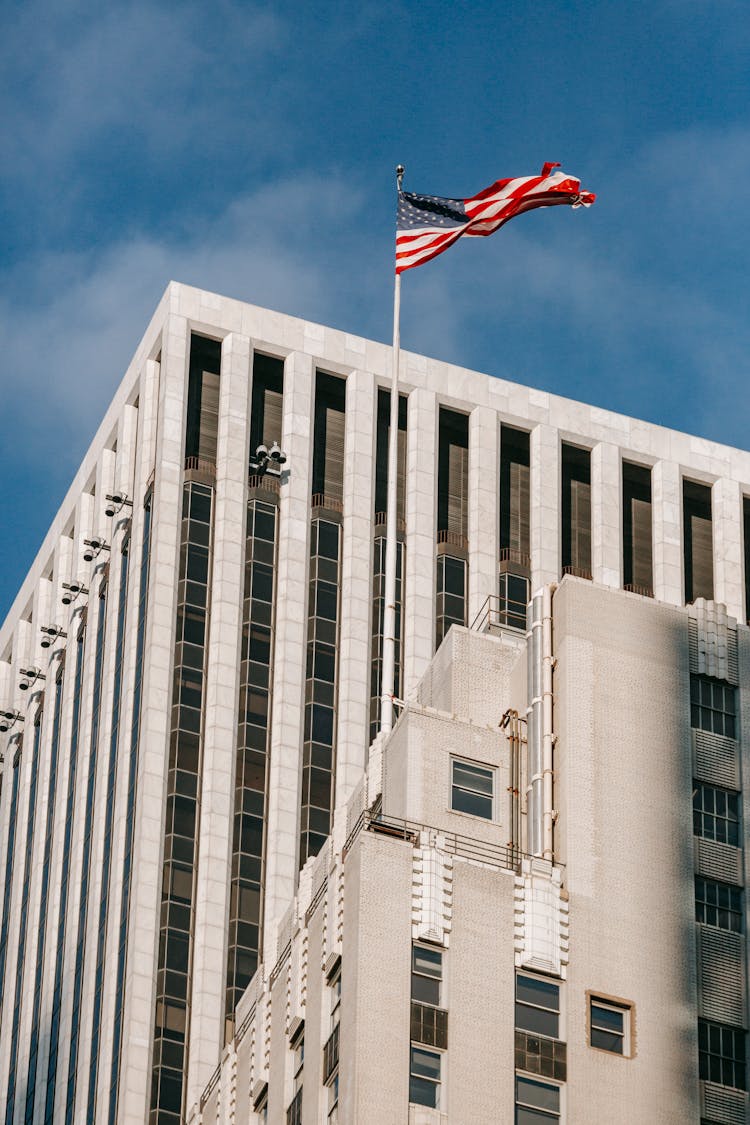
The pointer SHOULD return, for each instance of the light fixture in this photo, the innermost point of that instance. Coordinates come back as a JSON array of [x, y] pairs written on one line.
[[93, 547], [267, 460], [116, 502], [29, 677], [72, 590], [9, 719], [51, 633]]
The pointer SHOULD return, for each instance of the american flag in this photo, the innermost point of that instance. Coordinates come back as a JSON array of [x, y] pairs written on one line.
[[427, 224]]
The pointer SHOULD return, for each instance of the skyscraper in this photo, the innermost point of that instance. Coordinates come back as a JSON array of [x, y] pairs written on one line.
[[189, 677]]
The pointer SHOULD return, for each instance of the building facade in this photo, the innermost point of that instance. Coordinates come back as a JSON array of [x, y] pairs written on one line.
[[189, 680]]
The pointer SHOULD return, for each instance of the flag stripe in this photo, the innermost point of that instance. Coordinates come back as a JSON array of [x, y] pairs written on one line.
[[429, 224]]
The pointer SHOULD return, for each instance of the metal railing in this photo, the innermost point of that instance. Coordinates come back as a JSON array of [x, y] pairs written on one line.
[[453, 539], [381, 519], [497, 614], [321, 500], [265, 481], [198, 465], [467, 847], [634, 588], [577, 572], [514, 556]]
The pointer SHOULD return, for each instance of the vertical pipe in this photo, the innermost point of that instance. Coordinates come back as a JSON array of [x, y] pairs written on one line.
[[539, 790]]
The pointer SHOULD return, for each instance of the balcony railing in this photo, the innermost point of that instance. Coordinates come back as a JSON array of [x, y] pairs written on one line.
[[201, 467], [453, 539], [331, 1054], [331, 503], [577, 572], [266, 481], [499, 613], [467, 847], [634, 588], [381, 520]]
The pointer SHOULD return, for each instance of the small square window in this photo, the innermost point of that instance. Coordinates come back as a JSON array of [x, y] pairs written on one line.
[[424, 1077], [610, 1025], [716, 814], [472, 789], [538, 1006]]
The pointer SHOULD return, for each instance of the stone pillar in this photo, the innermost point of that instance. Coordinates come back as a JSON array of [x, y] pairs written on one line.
[[356, 582], [666, 509], [726, 517], [421, 533], [153, 755], [287, 714], [544, 455], [222, 696], [606, 515]]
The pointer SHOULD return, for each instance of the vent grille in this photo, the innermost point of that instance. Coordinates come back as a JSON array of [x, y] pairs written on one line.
[[716, 759], [721, 958], [724, 1105], [718, 861]]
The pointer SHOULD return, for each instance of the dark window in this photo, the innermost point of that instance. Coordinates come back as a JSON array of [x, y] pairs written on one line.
[[426, 974], [712, 706], [722, 1054], [513, 600], [609, 1026], [472, 789], [637, 529], [267, 400], [697, 541], [716, 814], [453, 473], [537, 1006], [536, 1101], [451, 595], [514, 495], [576, 511], [424, 1077], [203, 399], [718, 904], [328, 444]]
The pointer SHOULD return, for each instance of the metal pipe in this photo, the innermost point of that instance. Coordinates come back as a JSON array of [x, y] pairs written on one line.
[[540, 737], [547, 732]]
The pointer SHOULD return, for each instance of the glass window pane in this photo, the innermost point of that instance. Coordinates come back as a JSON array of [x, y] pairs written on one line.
[[427, 961], [425, 1063], [472, 777], [543, 993], [472, 803], [537, 1020], [607, 1019], [540, 1095], [423, 1092]]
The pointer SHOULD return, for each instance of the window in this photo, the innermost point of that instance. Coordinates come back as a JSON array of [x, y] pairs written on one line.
[[471, 789], [426, 975], [298, 1048], [718, 904], [536, 1101], [716, 814], [538, 1006], [712, 706], [514, 597], [333, 1099], [609, 1026], [424, 1077], [722, 1054]]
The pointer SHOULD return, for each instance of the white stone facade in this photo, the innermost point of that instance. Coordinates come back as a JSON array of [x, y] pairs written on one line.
[[139, 450]]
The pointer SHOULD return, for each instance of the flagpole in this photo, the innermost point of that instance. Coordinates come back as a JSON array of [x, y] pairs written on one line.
[[391, 526]]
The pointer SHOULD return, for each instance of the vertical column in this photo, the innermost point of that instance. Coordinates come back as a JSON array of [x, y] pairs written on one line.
[[135, 1068], [222, 689], [356, 594], [544, 454], [726, 511], [484, 499], [421, 528], [289, 662], [667, 523], [606, 515]]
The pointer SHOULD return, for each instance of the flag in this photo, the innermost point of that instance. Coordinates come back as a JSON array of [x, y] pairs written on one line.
[[427, 225]]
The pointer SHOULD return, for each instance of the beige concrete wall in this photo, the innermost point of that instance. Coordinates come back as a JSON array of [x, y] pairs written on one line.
[[623, 790]]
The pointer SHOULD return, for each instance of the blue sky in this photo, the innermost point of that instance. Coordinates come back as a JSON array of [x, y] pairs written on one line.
[[250, 149]]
